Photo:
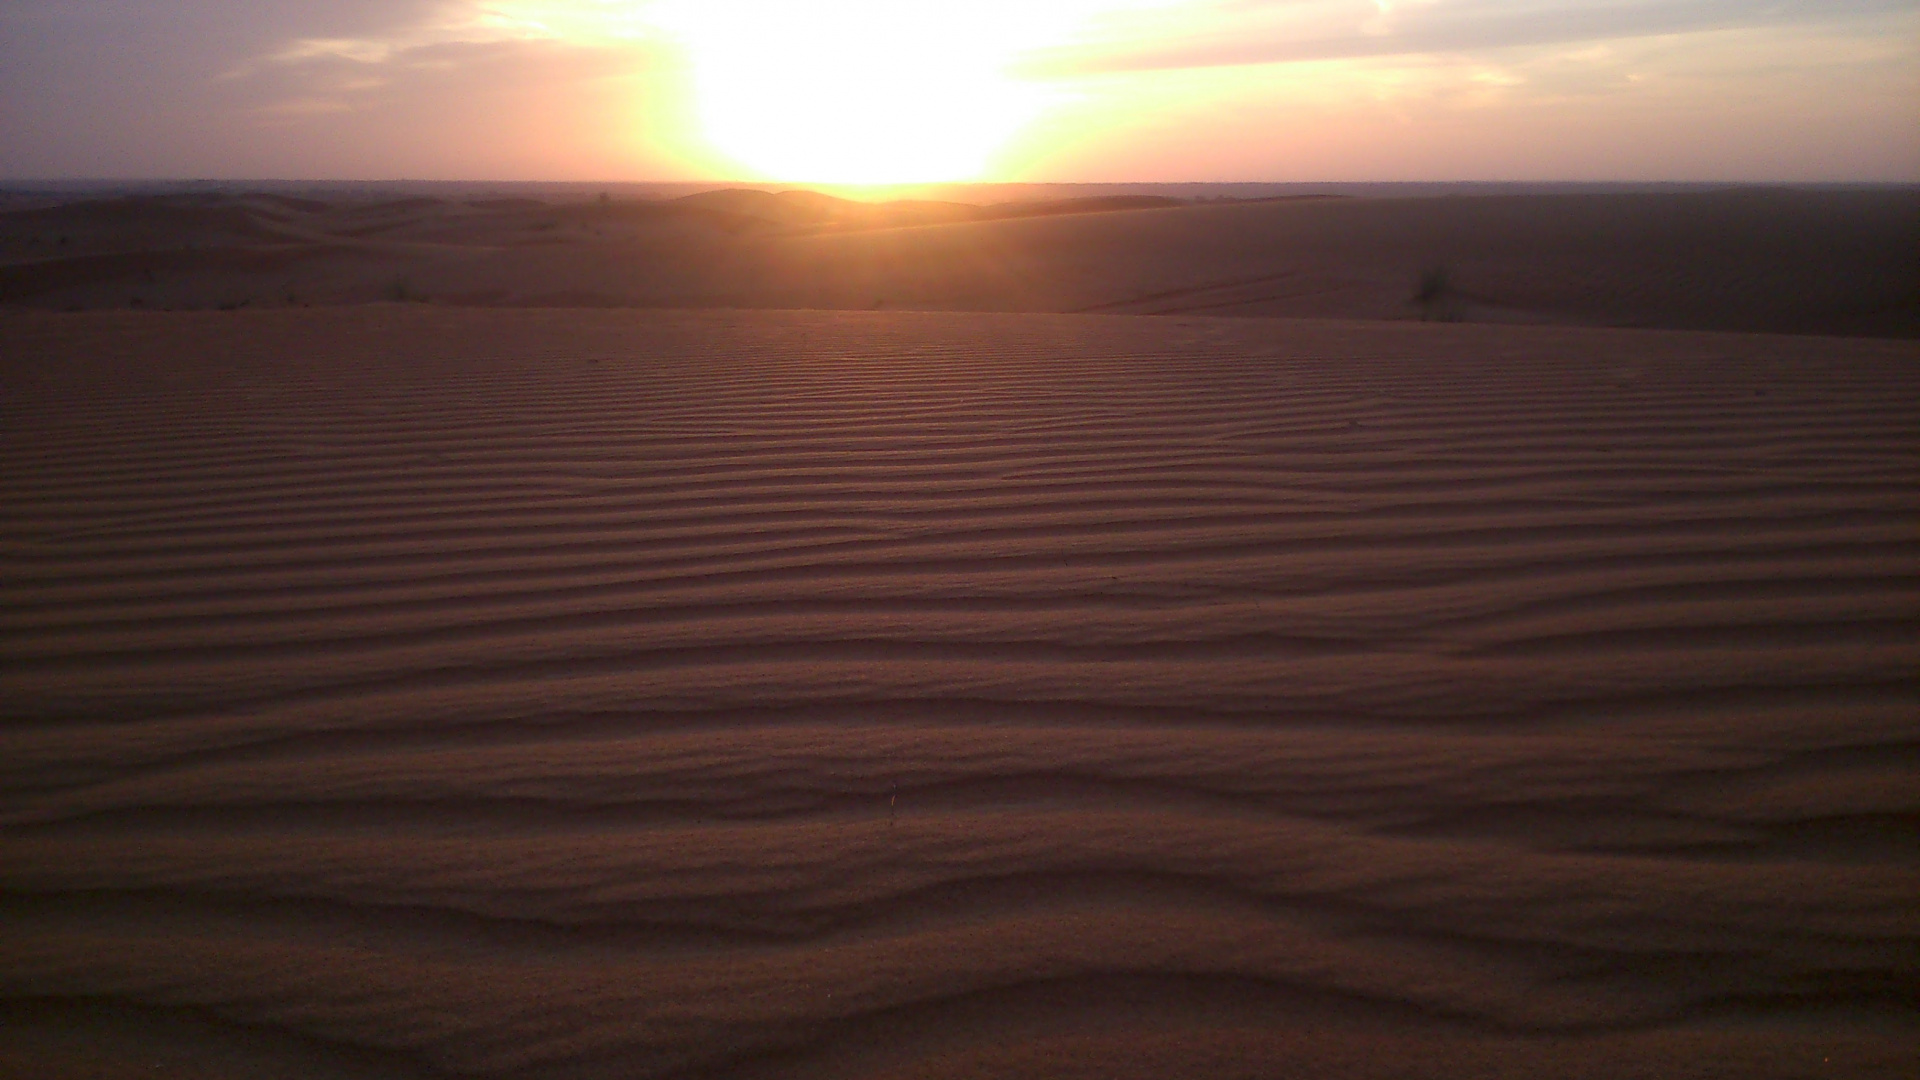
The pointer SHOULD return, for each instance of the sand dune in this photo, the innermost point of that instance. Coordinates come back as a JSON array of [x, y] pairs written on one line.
[[413, 691], [1749, 260]]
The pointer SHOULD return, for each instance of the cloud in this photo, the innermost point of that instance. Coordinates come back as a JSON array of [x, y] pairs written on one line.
[[526, 109], [327, 76], [290, 88], [443, 42], [1226, 33], [447, 22]]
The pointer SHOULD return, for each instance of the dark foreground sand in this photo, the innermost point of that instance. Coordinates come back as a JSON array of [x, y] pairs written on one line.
[[405, 691]]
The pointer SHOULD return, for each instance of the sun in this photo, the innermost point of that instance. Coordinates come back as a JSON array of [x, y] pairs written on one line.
[[866, 92]]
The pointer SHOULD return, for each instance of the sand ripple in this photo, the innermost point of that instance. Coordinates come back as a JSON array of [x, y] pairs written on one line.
[[534, 694]]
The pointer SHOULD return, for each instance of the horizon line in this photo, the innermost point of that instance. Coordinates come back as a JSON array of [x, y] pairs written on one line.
[[748, 182]]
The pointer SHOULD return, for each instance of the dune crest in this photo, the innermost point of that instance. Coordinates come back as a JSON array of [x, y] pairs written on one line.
[[1833, 262]]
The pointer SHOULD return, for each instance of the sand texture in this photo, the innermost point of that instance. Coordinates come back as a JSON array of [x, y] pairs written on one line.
[[1835, 262], [407, 691]]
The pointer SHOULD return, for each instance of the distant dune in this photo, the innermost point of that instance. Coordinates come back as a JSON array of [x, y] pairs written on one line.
[[424, 691], [1831, 262]]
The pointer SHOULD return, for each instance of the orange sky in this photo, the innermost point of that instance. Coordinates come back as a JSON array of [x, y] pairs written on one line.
[[902, 91]]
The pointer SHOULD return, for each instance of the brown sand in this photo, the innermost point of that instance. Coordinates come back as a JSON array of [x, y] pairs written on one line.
[[1748, 260], [411, 691]]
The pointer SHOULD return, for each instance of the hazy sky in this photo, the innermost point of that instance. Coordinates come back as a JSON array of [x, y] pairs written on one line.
[[901, 90]]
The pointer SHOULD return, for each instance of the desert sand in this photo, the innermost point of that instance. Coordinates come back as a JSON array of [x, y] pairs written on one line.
[[417, 691], [1830, 262]]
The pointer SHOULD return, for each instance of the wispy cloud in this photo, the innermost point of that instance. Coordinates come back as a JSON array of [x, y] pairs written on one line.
[[1219, 33], [1094, 36], [450, 22], [304, 76]]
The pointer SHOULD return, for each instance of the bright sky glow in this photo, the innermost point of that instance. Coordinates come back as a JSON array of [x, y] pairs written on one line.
[[898, 91], [862, 91]]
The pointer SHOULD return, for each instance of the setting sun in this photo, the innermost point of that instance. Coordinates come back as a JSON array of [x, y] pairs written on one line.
[[862, 91]]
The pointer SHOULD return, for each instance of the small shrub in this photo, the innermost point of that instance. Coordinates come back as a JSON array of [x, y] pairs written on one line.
[[1435, 295]]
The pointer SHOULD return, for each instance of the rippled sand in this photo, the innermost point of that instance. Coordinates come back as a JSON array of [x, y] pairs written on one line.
[[419, 692]]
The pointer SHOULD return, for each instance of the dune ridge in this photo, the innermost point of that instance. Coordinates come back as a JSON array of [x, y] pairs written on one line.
[[414, 691], [1818, 262]]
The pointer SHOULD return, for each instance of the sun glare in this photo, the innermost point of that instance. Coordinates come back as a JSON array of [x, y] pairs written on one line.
[[860, 91]]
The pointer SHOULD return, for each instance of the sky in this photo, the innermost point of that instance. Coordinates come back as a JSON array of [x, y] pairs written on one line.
[[904, 91]]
